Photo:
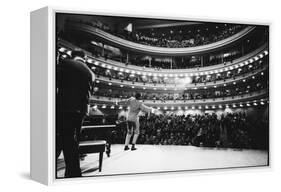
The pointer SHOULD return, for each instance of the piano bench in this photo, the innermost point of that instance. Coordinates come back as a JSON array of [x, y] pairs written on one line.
[[97, 146]]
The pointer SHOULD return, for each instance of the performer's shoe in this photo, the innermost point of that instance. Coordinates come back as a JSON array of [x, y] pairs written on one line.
[[133, 148], [126, 148]]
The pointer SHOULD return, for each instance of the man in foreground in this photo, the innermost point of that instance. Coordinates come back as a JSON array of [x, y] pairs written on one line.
[[74, 81]]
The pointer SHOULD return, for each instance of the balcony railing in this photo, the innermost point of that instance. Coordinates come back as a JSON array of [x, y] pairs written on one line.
[[132, 46], [136, 69], [212, 101], [139, 85]]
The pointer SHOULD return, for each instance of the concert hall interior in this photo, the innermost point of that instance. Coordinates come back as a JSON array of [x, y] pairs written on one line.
[[202, 90]]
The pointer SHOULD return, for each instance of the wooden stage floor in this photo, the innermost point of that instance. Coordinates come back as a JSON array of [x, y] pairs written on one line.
[[159, 158]]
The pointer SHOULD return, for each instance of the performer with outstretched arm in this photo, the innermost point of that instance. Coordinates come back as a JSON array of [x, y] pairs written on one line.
[[133, 126]]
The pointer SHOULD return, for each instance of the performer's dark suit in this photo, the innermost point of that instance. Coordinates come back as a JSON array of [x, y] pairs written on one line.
[[73, 80]]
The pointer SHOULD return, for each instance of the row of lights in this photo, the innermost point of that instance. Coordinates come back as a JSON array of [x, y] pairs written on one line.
[[234, 105], [195, 88], [97, 63]]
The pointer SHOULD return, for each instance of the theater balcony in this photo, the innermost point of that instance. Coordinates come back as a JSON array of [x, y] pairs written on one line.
[[246, 100], [98, 34], [110, 72]]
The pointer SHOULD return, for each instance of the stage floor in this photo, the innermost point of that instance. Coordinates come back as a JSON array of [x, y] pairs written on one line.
[[158, 158]]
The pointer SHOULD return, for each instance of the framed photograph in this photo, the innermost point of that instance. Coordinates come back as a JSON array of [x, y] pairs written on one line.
[[116, 94]]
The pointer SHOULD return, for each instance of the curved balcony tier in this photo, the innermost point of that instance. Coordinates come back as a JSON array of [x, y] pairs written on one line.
[[138, 85], [244, 99], [118, 66], [146, 49]]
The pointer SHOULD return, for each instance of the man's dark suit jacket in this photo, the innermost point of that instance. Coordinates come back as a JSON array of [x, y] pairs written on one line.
[[73, 80]]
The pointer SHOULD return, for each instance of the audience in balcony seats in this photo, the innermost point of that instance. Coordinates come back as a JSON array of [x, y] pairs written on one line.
[[194, 38]]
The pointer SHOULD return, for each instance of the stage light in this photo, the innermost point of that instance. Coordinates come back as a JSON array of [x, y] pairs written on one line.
[[199, 107], [192, 107], [165, 108], [109, 83], [97, 81], [215, 86], [127, 71], [248, 104], [251, 60], [120, 107], [116, 68], [112, 107], [241, 64], [246, 62], [121, 85], [138, 72], [103, 65], [226, 106], [214, 107], [241, 105], [185, 107], [224, 85], [172, 108], [234, 105], [262, 103], [261, 73], [89, 60], [220, 106], [206, 107], [255, 104], [265, 52], [109, 67], [253, 77], [205, 87], [158, 108], [230, 67], [68, 53], [133, 87], [62, 49], [244, 80], [234, 83], [154, 88], [121, 69], [104, 106], [179, 108], [143, 88]]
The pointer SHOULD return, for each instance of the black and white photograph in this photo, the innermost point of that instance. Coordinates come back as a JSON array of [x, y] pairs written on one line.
[[139, 95]]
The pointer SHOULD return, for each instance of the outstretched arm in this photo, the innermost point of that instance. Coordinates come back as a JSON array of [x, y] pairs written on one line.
[[124, 102], [146, 108]]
